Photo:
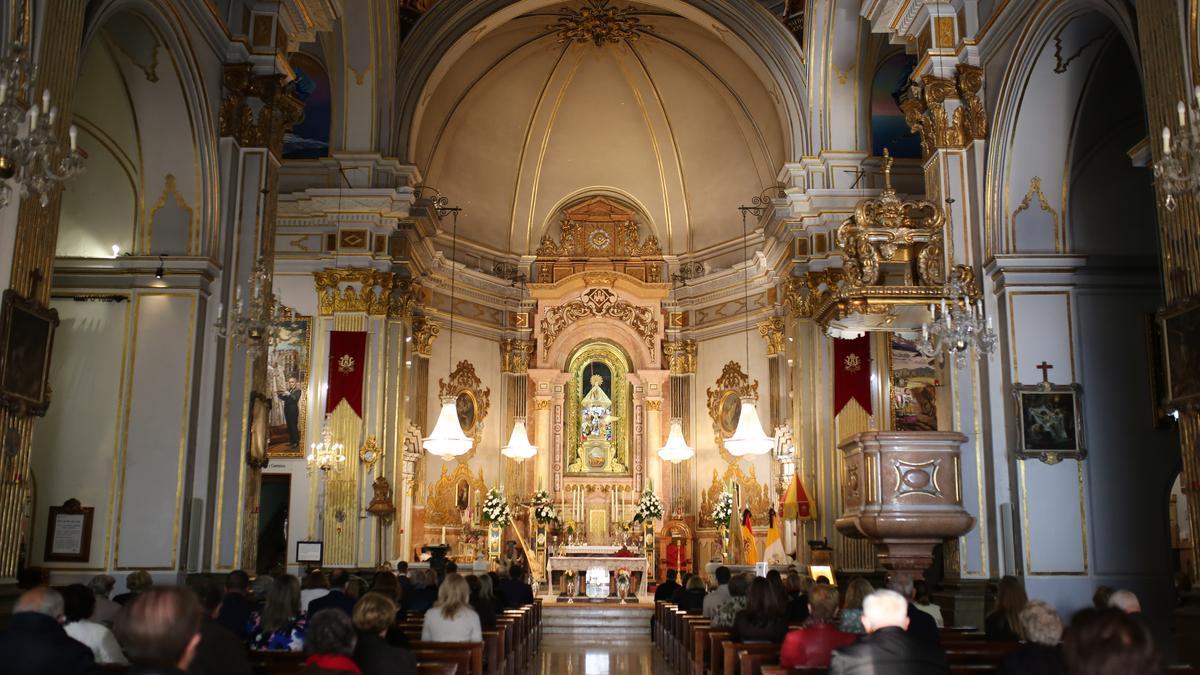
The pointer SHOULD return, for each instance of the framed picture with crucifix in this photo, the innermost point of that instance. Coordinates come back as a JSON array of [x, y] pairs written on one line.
[[1049, 420]]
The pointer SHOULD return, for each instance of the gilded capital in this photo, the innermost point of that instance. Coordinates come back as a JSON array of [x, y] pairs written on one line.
[[404, 298], [772, 330], [654, 404], [515, 355], [680, 356], [424, 332], [261, 124], [942, 125], [353, 290]]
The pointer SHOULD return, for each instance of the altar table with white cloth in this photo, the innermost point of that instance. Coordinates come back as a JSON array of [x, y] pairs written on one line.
[[611, 564]]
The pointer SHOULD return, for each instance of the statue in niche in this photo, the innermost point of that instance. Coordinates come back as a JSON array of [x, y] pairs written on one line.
[[596, 450]]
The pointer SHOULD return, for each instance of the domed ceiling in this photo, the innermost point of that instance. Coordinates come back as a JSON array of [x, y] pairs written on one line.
[[666, 117]]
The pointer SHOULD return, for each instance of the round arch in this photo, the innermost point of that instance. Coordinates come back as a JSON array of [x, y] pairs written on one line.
[[1023, 189], [175, 194]]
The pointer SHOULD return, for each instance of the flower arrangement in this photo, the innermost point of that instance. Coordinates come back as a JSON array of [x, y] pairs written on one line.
[[543, 508], [723, 510], [649, 507], [495, 508]]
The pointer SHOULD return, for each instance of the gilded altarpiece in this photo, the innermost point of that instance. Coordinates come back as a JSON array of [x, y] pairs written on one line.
[[753, 495]]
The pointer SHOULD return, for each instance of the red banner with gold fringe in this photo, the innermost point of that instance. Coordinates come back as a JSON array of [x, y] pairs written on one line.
[[852, 373], [347, 356]]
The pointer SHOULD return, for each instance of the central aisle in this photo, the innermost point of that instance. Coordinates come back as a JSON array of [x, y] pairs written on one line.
[[570, 655]]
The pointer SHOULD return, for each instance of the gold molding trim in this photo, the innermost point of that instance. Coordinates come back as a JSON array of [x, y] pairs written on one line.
[[171, 189], [353, 290], [1035, 189], [600, 303]]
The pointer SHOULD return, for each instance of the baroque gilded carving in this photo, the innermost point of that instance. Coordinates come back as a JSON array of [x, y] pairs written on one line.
[[442, 508], [405, 294], [772, 330], [886, 230], [472, 399], [515, 355], [599, 23], [754, 495], [802, 294], [680, 356], [724, 403], [353, 290], [424, 332], [603, 303], [925, 109], [599, 228], [262, 124]]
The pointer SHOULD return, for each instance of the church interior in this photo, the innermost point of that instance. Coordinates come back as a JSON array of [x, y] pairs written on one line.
[[607, 290]]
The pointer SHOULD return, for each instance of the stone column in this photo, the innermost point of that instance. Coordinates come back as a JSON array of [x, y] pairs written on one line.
[[33, 261]]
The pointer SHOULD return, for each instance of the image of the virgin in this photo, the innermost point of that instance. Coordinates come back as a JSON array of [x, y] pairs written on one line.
[[462, 496], [731, 412], [464, 403]]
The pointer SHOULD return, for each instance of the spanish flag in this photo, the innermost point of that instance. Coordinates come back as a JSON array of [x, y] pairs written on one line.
[[774, 552], [748, 543], [795, 504]]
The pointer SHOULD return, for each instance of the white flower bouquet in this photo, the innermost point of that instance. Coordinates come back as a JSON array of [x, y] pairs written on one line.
[[543, 508], [495, 508], [723, 510], [649, 507]]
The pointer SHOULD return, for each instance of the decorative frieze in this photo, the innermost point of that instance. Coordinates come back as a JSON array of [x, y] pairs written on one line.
[[354, 290]]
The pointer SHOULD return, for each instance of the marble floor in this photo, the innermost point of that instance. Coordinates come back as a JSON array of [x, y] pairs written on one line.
[[572, 655]]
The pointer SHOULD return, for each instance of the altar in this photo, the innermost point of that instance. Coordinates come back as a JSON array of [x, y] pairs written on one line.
[[581, 564]]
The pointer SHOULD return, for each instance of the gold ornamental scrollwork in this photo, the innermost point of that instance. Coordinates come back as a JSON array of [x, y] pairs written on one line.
[[424, 332], [472, 401], [680, 356], [755, 496], [773, 331], [452, 493], [725, 401], [925, 109], [261, 124], [889, 230], [601, 303], [599, 228], [515, 355], [353, 290], [405, 296], [803, 294], [654, 404]]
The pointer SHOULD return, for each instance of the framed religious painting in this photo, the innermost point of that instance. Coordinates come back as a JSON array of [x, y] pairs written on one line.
[[471, 402], [725, 404], [26, 341], [1049, 422], [287, 378], [1181, 347]]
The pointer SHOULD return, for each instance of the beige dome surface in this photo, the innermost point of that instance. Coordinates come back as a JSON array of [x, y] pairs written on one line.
[[675, 123]]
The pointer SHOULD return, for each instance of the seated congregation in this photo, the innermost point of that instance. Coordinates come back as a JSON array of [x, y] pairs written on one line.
[[777, 625], [387, 622]]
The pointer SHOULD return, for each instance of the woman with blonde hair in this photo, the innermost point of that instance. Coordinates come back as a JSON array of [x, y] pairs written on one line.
[[850, 620], [451, 619], [373, 616]]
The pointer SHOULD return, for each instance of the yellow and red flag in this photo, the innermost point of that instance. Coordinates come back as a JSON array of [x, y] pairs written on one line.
[[796, 505], [750, 546]]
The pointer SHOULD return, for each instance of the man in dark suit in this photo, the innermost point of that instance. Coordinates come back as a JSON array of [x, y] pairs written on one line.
[[921, 626], [887, 648], [337, 598], [423, 594], [406, 584], [35, 642], [291, 410], [220, 651], [514, 590], [236, 604], [666, 590]]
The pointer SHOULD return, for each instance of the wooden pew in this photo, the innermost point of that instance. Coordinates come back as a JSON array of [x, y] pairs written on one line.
[[468, 655], [717, 638], [731, 654], [437, 669]]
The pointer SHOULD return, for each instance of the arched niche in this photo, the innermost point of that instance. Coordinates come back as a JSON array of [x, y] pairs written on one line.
[[888, 128], [309, 138]]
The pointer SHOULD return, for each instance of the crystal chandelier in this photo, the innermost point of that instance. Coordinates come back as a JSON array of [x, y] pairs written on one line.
[[261, 322], [957, 327], [1178, 170], [519, 448], [676, 449], [326, 455], [29, 160], [447, 438], [748, 438]]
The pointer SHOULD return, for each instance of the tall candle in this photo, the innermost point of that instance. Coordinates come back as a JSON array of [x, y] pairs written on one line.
[[443, 534]]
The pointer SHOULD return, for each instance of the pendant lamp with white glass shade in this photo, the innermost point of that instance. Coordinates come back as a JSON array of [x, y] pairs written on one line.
[[676, 449], [447, 438], [519, 448], [748, 438]]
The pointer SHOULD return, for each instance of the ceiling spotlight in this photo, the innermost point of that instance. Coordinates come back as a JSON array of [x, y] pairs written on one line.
[[158, 273]]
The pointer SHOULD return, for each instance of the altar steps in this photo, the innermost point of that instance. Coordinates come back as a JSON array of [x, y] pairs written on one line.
[[596, 621]]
